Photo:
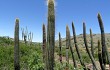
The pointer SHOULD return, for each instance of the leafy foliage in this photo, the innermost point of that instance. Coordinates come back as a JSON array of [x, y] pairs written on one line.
[[30, 57]]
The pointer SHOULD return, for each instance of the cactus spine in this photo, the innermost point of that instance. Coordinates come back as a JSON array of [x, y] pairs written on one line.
[[60, 45], [77, 48], [86, 45], [100, 56], [105, 53], [51, 33], [68, 44], [16, 46]]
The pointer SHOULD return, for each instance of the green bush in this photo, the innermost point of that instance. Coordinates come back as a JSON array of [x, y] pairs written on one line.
[[30, 57]]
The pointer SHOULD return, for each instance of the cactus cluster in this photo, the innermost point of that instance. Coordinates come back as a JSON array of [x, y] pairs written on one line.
[[27, 37], [49, 44], [77, 48], [24, 35], [86, 45]]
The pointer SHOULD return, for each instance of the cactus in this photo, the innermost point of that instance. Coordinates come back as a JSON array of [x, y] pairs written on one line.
[[30, 37], [67, 50], [68, 44], [44, 48], [24, 34], [60, 45], [92, 48], [100, 56], [16, 46], [22, 29], [86, 45], [105, 53], [51, 34], [77, 48]]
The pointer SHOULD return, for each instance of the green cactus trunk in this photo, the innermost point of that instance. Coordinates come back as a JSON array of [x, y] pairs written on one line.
[[105, 53], [87, 47], [44, 48], [60, 45], [16, 46], [22, 29], [67, 50], [92, 48], [24, 35], [77, 48], [30, 37], [51, 33], [100, 56], [68, 45]]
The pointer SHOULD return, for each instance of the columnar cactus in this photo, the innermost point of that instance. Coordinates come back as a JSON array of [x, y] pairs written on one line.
[[100, 56], [67, 48], [22, 29], [105, 53], [24, 35], [68, 45], [92, 48], [16, 46], [51, 33], [44, 48], [30, 37], [86, 45], [60, 45], [77, 48]]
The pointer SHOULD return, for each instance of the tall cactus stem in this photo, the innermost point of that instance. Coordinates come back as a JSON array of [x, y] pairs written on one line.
[[77, 48], [105, 53], [87, 48], [92, 47], [51, 33], [60, 48], [44, 48], [100, 56], [68, 45], [16, 46]]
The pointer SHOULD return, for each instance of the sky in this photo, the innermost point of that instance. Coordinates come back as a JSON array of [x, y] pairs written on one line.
[[33, 13]]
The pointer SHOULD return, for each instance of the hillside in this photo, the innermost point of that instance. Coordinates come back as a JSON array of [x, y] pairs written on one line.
[[80, 41]]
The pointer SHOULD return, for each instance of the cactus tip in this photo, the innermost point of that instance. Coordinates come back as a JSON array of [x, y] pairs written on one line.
[[83, 23], [99, 15], [17, 20], [50, 1], [66, 26], [59, 32]]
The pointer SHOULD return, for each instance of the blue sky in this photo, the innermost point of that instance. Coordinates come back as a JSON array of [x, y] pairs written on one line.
[[33, 13]]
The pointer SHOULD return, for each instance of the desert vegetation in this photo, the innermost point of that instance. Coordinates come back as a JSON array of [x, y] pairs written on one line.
[[77, 52]]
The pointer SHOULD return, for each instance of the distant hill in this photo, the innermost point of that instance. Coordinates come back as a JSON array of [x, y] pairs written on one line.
[[80, 41]]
